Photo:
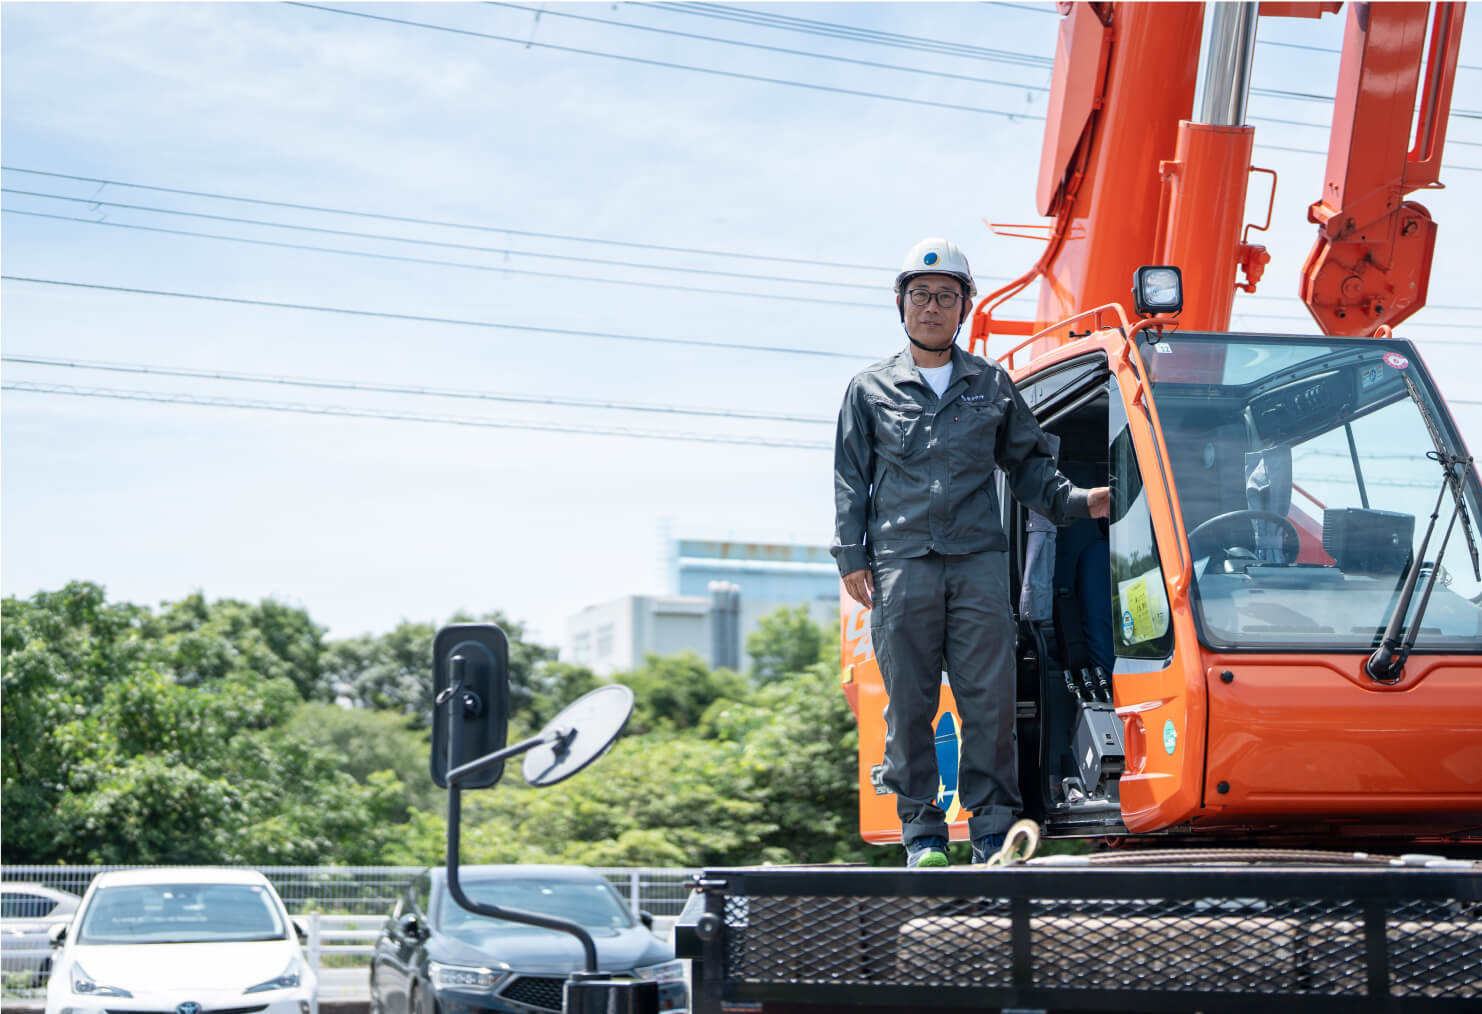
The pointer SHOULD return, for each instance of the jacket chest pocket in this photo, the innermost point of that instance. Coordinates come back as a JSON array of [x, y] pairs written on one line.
[[975, 428], [900, 423]]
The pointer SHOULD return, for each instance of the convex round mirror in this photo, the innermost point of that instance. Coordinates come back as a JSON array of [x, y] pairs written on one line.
[[580, 734]]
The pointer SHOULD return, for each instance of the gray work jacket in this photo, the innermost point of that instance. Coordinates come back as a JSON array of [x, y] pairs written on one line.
[[914, 473]]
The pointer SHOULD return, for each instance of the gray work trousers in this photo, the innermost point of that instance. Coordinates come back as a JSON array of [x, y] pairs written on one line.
[[927, 610]]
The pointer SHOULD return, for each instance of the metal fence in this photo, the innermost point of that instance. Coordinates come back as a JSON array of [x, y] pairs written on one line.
[[341, 907]]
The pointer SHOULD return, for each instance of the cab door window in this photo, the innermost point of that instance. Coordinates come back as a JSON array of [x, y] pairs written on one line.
[[1141, 623]]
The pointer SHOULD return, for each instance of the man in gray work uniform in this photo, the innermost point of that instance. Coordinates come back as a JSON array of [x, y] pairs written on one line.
[[919, 538]]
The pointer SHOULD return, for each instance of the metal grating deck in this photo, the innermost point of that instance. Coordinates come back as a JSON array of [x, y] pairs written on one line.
[[1147, 939]]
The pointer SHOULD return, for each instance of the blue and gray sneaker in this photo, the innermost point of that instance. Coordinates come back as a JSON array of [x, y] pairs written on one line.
[[986, 847], [927, 853]]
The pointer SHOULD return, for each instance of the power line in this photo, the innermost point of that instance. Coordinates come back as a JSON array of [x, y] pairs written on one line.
[[827, 29], [1429, 340], [549, 12], [425, 392], [1021, 7], [1335, 52], [353, 413], [421, 319], [497, 268], [439, 223], [527, 44], [1325, 126], [1314, 151], [94, 202]]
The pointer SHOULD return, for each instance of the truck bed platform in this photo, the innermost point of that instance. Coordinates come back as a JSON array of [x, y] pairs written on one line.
[[1074, 936]]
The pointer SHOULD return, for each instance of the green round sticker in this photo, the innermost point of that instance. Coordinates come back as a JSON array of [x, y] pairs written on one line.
[[1170, 736]]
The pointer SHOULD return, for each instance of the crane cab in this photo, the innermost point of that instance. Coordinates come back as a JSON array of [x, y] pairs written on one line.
[[1197, 665]]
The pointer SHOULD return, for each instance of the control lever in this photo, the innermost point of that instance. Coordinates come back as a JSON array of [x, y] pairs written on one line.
[[1104, 682]]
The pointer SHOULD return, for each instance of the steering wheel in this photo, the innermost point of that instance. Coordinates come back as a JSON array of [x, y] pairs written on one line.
[[1204, 538]]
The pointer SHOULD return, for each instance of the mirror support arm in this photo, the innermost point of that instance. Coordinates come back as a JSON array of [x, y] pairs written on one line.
[[455, 817]]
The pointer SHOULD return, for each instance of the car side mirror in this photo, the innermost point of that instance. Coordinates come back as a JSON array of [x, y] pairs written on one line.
[[410, 926], [57, 934], [299, 931], [647, 918], [470, 685]]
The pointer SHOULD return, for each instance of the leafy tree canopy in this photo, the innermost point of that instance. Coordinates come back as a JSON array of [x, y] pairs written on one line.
[[226, 731]]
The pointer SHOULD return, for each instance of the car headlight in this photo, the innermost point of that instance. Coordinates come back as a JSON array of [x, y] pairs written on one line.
[[673, 993], [465, 977], [667, 971], [289, 978], [86, 985]]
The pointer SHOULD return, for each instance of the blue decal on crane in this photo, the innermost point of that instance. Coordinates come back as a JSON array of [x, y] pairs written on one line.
[[947, 751]]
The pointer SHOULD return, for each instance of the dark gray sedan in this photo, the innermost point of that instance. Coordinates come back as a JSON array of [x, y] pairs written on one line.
[[434, 957]]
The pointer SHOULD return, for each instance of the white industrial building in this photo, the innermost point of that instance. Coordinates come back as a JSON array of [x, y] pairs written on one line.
[[720, 591]]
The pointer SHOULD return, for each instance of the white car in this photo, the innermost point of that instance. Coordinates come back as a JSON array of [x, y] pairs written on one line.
[[184, 941]]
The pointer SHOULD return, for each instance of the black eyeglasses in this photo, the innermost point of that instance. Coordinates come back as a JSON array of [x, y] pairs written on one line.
[[945, 299]]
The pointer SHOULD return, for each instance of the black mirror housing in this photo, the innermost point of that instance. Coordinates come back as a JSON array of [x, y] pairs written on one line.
[[410, 926], [647, 918], [470, 666]]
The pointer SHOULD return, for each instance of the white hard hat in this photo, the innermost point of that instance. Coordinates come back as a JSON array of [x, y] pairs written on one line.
[[936, 257]]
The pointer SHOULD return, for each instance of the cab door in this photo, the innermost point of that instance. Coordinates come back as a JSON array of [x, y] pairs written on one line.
[[1069, 737]]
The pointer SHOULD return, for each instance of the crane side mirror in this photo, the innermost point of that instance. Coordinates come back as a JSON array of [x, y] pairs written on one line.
[[470, 685]]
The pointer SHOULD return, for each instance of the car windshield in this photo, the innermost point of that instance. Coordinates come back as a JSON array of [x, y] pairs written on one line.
[[1303, 478], [592, 904], [180, 913]]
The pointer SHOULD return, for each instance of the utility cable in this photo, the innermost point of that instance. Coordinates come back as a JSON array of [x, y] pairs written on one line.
[[548, 12], [354, 413], [1314, 151], [435, 222], [423, 392], [734, 74], [1326, 126], [94, 202], [497, 268], [528, 44], [1335, 52], [1419, 326], [827, 29], [421, 319]]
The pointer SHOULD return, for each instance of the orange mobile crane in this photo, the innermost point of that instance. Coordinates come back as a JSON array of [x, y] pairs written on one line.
[[1270, 492], [1275, 642]]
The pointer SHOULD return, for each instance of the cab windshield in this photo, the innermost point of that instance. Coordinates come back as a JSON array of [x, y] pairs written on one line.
[[1302, 474]]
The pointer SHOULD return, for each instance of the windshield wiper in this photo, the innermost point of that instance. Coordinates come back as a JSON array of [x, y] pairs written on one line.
[[1447, 461], [1388, 661]]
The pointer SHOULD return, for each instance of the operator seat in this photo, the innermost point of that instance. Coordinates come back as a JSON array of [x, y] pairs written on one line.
[[1268, 487]]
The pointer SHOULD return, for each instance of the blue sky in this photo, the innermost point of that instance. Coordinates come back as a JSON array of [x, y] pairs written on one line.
[[365, 521]]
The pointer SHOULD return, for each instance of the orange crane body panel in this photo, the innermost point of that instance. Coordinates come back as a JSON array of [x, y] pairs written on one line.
[[1109, 216]]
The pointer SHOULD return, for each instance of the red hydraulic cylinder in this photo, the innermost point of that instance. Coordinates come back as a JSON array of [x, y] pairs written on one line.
[[1203, 211]]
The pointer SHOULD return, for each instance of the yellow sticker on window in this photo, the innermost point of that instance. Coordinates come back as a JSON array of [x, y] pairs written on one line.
[[1144, 604]]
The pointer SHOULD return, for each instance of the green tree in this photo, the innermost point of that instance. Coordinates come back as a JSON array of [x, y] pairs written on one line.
[[673, 692], [557, 685], [787, 640], [61, 651], [386, 672], [133, 737], [653, 801], [394, 671], [209, 641], [369, 742]]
